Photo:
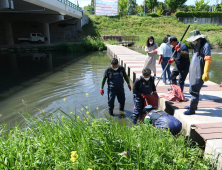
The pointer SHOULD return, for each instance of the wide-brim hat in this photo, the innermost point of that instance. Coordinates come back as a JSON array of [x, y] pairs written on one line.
[[194, 35]]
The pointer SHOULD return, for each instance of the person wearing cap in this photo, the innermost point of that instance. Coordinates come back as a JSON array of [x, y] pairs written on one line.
[[142, 86], [199, 67], [165, 52], [114, 75], [161, 119], [182, 60]]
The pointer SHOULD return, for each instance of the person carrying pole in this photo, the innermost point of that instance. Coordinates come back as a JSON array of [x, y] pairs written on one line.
[[182, 60], [142, 86], [199, 67], [115, 74]]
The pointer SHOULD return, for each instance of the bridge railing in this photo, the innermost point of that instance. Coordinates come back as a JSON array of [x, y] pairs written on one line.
[[67, 2]]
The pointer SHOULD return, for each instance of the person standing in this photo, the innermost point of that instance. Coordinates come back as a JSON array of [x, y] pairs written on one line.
[[115, 74], [165, 51], [199, 68], [142, 86], [150, 49], [182, 60]]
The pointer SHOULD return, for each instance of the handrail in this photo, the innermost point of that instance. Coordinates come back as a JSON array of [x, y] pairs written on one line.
[[67, 2]]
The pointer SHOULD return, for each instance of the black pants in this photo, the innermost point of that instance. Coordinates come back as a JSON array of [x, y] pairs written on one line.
[[182, 76]]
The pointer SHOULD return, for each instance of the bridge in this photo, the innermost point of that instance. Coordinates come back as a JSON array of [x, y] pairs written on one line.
[[19, 18]]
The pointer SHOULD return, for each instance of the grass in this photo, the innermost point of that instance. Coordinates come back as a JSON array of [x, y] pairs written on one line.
[[68, 142], [86, 44], [148, 26]]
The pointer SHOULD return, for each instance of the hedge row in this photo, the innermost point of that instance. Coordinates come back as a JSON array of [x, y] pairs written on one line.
[[199, 14], [152, 15]]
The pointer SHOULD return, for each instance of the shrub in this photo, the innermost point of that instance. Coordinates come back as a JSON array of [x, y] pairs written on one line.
[[152, 15], [199, 14]]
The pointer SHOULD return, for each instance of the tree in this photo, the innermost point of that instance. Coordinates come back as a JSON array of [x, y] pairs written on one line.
[[139, 9], [160, 10], [151, 4], [174, 4], [132, 7], [201, 5]]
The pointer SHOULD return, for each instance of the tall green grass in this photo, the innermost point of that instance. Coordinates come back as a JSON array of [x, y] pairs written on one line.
[[147, 26], [88, 43], [68, 142]]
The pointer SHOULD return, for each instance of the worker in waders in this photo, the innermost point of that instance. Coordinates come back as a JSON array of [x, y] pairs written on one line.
[[115, 74], [182, 60], [142, 86], [199, 67], [160, 119]]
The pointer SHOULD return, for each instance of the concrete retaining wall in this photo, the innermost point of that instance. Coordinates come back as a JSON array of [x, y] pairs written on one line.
[[215, 20], [85, 20]]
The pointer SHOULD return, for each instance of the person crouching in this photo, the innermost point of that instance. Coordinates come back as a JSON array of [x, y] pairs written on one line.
[[161, 119], [142, 86]]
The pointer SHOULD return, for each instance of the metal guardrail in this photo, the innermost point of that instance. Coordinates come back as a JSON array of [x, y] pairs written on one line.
[[67, 2]]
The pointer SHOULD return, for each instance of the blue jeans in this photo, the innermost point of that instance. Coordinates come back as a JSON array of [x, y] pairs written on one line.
[[164, 64]]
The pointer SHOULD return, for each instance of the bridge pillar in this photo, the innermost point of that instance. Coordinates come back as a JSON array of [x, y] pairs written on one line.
[[8, 33], [46, 33]]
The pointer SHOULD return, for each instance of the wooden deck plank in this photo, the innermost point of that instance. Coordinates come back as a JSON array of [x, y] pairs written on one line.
[[209, 125], [209, 130], [211, 136]]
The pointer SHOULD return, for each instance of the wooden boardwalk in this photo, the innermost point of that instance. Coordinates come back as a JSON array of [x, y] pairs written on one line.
[[198, 126]]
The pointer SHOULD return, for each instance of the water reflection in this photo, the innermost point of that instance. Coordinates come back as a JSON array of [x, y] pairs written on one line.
[[42, 81]]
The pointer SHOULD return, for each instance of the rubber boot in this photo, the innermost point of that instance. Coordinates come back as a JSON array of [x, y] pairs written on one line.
[[188, 107], [189, 112], [134, 121]]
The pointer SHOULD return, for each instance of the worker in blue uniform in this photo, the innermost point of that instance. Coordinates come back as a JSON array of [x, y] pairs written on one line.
[[142, 86], [182, 60], [161, 119], [199, 68], [115, 74]]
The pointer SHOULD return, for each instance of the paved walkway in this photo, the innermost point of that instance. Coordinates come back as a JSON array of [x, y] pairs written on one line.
[[209, 109]]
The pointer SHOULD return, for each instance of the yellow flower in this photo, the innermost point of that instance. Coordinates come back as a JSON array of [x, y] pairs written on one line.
[[74, 156], [82, 109], [84, 121], [87, 94], [87, 112], [89, 169], [58, 113], [86, 107], [87, 118], [77, 117], [97, 108], [86, 128], [62, 117], [64, 99], [70, 112]]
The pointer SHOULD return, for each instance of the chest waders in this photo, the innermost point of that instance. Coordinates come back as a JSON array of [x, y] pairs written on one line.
[[115, 88], [144, 88]]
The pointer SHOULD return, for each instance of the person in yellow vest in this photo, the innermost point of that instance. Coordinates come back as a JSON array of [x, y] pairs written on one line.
[[199, 68]]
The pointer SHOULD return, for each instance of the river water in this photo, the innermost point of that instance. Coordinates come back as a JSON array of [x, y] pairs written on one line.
[[37, 83]]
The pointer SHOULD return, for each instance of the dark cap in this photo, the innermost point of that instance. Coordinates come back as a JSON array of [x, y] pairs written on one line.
[[172, 38]]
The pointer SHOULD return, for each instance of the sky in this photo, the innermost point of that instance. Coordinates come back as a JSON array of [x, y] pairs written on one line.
[[83, 3]]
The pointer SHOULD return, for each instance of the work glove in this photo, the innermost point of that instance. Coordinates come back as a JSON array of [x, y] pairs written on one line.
[[102, 92], [143, 96], [207, 66], [155, 93], [129, 87], [177, 47], [170, 61]]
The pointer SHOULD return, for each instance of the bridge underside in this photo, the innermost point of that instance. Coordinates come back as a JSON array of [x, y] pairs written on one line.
[[25, 18]]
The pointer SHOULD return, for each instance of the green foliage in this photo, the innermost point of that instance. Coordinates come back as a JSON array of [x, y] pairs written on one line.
[[199, 14], [200, 5], [151, 4], [160, 10], [71, 141], [152, 15], [139, 9], [87, 44], [174, 4], [122, 4]]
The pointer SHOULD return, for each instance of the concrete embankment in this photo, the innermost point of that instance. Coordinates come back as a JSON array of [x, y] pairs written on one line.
[[205, 127]]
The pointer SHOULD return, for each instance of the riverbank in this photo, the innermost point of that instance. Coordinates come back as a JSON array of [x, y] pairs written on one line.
[[64, 141], [88, 43], [158, 27]]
